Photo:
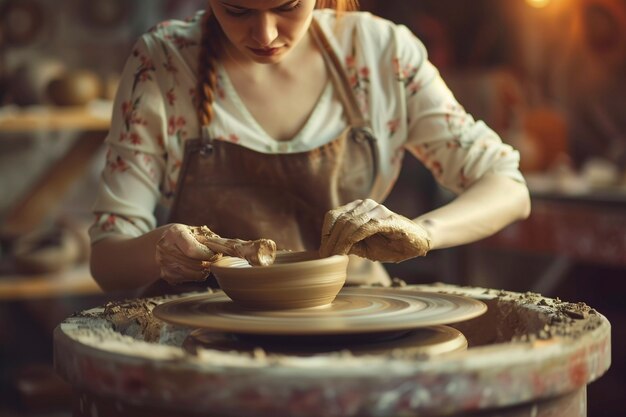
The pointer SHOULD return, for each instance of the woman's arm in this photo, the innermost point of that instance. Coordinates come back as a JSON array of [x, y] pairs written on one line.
[[488, 205], [175, 252], [465, 156], [368, 229], [124, 263]]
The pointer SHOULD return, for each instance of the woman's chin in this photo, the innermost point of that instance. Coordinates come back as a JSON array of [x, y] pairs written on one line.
[[272, 56]]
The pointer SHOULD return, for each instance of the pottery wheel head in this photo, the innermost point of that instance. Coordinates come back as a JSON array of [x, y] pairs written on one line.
[[354, 311]]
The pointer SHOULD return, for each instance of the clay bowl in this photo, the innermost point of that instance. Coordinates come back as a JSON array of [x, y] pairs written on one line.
[[294, 280]]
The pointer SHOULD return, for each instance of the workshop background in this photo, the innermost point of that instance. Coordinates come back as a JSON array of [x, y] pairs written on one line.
[[547, 75]]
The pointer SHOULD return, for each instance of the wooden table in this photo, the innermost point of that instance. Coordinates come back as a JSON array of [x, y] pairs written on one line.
[[588, 228]]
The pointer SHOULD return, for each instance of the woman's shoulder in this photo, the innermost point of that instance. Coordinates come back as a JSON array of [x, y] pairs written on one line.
[[177, 32], [372, 30], [352, 19]]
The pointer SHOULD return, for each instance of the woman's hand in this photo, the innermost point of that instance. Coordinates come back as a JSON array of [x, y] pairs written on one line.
[[180, 255], [185, 253], [370, 230]]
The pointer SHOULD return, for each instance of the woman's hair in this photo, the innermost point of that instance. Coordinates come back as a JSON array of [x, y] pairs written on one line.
[[210, 47]]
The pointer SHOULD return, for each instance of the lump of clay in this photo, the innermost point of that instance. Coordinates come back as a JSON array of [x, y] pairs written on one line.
[[261, 252]]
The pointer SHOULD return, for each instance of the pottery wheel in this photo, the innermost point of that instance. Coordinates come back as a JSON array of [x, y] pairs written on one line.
[[354, 311], [430, 341], [529, 355]]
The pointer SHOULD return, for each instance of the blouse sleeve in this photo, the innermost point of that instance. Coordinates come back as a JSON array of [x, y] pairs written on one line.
[[135, 162], [457, 149]]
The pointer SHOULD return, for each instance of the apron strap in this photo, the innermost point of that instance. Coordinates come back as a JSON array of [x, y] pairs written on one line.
[[360, 126], [340, 79], [206, 141]]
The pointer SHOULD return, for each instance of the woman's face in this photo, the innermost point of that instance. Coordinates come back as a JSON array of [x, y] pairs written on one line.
[[263, 31]]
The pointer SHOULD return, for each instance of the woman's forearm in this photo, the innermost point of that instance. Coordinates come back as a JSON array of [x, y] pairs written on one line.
[[487, 206], [122, 263]]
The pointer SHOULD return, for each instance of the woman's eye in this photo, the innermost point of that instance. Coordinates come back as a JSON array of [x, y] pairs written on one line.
[[290, 7], [236, 12]]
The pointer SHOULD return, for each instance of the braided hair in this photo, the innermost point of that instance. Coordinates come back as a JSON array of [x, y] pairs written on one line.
[[210, 45]]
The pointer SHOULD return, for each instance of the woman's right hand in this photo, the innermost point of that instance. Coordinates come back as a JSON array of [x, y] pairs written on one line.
[[181, 257], [370, 230]]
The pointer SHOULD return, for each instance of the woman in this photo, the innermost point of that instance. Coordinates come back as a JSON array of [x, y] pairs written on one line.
[[282, 119]]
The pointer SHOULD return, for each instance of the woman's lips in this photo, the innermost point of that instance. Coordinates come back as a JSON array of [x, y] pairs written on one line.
[[265, 51]]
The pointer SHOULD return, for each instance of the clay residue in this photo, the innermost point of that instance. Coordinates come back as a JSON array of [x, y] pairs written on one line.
[[564, 319], [133, 318], [135, 314], [524, 317]]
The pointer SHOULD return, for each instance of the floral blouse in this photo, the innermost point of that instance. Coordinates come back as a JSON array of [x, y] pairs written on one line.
[[398, 89]]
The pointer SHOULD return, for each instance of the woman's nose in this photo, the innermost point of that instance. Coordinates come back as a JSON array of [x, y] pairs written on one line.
[[264, 30]]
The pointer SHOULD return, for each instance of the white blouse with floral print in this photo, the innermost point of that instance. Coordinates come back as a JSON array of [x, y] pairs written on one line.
[[398, 89]]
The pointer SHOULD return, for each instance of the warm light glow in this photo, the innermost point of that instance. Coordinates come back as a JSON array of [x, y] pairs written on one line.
[[538, 3]]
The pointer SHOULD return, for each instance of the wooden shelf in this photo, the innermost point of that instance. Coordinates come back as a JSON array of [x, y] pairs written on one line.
[[71, 282], [49, 118], [92, 122]]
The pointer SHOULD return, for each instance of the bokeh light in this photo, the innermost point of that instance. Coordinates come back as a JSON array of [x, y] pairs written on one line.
[[538, 3]]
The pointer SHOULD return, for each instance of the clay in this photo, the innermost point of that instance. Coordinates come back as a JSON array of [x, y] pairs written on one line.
[[294, 280], [260, 252], [370, 230], [544, 318]]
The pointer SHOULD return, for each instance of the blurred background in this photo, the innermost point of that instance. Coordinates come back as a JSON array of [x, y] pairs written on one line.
[[547, 75]]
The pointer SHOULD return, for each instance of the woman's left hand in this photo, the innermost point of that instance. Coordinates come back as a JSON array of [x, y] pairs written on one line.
[[370, 230], [181, 255]]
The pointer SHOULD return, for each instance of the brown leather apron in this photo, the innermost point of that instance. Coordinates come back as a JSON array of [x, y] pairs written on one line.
[[240, 193]]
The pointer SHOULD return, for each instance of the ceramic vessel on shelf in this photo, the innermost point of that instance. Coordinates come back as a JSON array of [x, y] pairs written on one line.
[[75, 88], [295, 280]]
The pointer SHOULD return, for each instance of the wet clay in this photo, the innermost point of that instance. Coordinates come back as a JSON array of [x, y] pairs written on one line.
[[526, 349], [528, 317], [294, 280]]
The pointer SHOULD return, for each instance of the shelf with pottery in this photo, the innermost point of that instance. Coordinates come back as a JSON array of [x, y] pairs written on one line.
[[91, 121], [33, 209]]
